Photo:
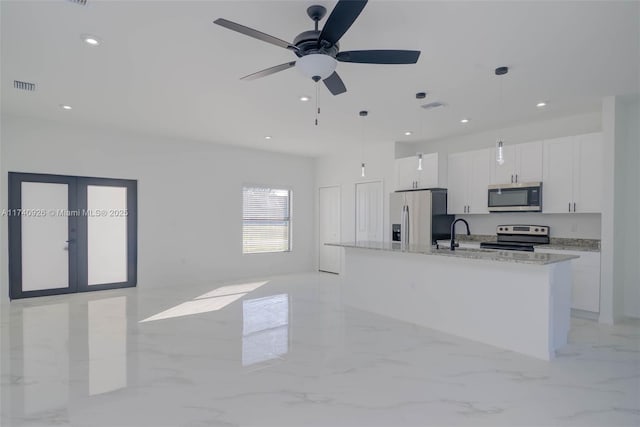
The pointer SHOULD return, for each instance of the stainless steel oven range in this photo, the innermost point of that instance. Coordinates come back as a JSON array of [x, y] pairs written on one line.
[[519, 237]]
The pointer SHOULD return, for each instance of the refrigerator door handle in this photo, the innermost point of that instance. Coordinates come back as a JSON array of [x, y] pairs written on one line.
[[404, 227]]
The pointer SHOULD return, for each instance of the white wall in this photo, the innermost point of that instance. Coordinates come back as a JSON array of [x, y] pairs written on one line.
[[343, 169], [579, 226], [626, 262], [620, 260], [189, 196], [582, 226]]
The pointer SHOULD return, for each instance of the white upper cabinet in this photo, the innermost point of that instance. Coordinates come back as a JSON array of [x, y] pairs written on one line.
[[557, 183], [468, 181], [410, 178], [458, 180], [588, 173], [522, 163], [406, 173], [572, 174]]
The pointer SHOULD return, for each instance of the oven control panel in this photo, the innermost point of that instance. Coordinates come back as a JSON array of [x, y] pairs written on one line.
[[530, 230]]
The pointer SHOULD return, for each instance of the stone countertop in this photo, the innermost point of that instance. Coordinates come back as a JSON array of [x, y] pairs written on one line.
[[464, 253], [557, 243]]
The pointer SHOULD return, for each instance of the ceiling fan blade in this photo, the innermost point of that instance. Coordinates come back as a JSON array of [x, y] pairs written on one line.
[[379, 56], [341, 18], [269, 71], [334, 84], [254, 33]]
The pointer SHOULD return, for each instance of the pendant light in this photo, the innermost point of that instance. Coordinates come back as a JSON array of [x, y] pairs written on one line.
[[420, 95], [500, 71], [363, 114]]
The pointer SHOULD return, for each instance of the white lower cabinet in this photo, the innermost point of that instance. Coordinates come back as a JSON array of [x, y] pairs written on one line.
[[585, 286]]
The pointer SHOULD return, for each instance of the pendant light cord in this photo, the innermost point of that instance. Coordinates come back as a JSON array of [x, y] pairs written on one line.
[[501, 105], [317, 103], [362, 139]]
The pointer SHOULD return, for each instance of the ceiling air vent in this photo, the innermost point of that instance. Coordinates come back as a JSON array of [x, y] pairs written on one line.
[[432, 105], [80, 2], [24, 85]]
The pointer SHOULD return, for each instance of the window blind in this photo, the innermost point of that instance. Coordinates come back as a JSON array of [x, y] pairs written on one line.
[[266, 220]]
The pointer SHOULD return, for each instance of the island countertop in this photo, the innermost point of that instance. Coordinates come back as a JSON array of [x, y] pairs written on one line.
[[464, 253]]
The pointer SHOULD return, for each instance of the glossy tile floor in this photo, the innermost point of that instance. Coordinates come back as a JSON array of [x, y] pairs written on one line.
[[286, 352]]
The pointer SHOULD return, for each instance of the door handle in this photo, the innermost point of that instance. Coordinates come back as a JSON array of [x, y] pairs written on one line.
[[569, 206], [512, 179], [516, 177], [574, 206]]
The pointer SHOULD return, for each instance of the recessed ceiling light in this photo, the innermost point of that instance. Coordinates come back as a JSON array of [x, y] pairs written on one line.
[[66, 107], [267, 137], [304, 98], [541, 104], [464, 121], [407, 133], [91, 40]]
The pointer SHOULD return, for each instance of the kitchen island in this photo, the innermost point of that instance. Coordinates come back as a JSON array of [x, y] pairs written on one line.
[[519, 301]]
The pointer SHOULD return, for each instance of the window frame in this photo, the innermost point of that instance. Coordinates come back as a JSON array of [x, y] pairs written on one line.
[[289, 220]]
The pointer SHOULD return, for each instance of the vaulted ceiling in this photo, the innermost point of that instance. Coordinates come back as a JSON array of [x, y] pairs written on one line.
[[164, 68]]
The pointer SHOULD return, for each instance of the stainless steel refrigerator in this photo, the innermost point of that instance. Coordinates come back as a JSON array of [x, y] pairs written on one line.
[[419, 217]]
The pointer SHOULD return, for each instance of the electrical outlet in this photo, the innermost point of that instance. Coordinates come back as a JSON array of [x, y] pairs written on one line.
[[574, 227]]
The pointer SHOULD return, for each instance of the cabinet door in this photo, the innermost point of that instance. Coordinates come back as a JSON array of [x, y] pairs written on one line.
[[585, 278], [478, 182], [529, 162], [587, 175], [504, 173], [457, 173], [557, 189], [406, 172], [428, 176]]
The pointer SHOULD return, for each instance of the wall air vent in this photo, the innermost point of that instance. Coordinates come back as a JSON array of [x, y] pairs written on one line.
[[80, 2], [433, 105], [24, 85]]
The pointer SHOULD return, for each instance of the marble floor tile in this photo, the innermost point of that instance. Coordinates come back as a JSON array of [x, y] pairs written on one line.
[[286, 351]]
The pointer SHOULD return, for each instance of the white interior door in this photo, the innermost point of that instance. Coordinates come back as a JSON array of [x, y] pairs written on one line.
[[329, 229], [369, 212]]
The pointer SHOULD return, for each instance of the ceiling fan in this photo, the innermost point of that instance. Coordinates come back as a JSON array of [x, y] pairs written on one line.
[[319, 51]]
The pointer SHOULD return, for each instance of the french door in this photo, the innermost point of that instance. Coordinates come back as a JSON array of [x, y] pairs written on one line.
[[70, 234]]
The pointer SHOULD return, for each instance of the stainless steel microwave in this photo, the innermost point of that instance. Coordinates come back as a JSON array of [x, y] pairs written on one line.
[[520, 197]]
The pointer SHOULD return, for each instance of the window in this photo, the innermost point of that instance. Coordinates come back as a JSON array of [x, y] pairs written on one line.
[[266, 220]]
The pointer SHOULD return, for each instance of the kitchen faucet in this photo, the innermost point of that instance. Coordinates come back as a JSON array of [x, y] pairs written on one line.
[[453, 232]]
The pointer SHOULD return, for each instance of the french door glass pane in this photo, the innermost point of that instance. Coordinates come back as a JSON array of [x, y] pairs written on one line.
[[45, 231], [106, 234]]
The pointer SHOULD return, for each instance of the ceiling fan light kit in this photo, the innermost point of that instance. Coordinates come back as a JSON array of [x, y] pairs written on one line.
[[316, 65], [319, 51]]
